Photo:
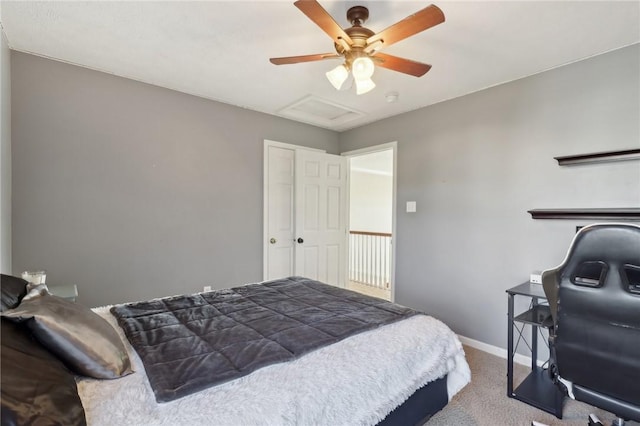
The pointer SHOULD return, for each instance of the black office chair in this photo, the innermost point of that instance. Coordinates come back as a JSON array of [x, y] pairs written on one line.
[[594, 297]]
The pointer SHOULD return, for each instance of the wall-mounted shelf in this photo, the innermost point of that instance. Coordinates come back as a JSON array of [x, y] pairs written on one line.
[[597, 157], [631, 213]]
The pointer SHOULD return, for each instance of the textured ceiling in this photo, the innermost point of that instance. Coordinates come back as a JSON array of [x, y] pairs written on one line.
[[220, 49]]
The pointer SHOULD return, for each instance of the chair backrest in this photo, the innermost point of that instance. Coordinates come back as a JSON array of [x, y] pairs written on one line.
[[597, 314]]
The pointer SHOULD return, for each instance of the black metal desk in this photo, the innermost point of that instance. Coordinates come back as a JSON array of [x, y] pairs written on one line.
[[537, 389]]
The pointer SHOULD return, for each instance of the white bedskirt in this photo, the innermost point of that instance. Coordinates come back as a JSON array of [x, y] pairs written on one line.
[[357, 381]]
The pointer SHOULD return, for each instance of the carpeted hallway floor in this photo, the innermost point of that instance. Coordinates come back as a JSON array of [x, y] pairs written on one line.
[[484, 401]]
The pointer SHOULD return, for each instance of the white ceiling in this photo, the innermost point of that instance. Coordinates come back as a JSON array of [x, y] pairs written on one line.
[[220, 49]]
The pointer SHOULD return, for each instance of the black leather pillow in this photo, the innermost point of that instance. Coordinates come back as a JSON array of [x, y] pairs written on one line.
[[37, 388], [79, 337], [13, 290]]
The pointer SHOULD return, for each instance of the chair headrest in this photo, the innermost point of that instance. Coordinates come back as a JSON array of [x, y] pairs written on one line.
[[614, 244]]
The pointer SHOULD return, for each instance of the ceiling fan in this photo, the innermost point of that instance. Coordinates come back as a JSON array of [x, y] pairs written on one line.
[[359, 46]]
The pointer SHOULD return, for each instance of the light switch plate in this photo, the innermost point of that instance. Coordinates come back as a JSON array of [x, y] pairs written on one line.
[[411, 206]]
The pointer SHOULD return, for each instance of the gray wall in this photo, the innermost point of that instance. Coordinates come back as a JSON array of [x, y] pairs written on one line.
[[132, 191], [476, 164], [5, 156]]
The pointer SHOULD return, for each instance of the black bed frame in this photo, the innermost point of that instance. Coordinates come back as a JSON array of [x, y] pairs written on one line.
[[420, 406]]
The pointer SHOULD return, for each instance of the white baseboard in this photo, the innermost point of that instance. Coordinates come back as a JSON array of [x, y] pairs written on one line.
[[497, 351]]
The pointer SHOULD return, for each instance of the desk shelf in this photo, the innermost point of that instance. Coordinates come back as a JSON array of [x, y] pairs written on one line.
[[538, 315], [538, 390]]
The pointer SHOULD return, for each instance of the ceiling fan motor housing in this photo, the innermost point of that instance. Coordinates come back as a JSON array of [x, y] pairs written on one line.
[[357, 15]]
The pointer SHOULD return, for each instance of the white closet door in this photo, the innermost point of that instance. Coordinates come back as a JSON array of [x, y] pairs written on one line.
[[279, 207], [321, 216]]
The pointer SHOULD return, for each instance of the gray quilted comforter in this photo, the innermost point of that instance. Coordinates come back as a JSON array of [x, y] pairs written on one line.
[[190, 343]]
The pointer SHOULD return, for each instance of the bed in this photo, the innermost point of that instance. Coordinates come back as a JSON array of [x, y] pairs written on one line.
[[398, 371]]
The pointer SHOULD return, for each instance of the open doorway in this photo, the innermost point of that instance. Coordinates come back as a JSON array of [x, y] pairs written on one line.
[[371, 220]]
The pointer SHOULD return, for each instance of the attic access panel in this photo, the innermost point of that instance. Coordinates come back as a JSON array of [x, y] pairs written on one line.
[[314, 110]]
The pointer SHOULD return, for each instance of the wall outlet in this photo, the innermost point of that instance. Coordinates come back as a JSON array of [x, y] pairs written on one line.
[[536, 277], [207, 288]]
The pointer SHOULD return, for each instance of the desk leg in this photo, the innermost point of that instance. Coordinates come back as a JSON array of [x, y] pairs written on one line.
[[559, 403], [510, 347], [534, 340]]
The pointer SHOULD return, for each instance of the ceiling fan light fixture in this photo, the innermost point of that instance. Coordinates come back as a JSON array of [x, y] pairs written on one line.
[[338, 76], [363, 86], [362, 68]]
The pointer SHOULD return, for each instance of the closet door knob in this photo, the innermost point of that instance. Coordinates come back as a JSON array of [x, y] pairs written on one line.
[[272, 240], [300, 241]]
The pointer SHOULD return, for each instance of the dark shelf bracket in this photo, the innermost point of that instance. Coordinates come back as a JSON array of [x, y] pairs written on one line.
[[631, 213], [596, 157]]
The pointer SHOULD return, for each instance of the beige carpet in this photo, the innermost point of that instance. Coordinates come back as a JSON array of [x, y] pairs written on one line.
[[484, 401]]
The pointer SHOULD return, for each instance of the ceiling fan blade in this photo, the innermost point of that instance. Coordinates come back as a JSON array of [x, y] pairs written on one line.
[[424, 19], [321, 17], [304, 58], [406, 66]]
